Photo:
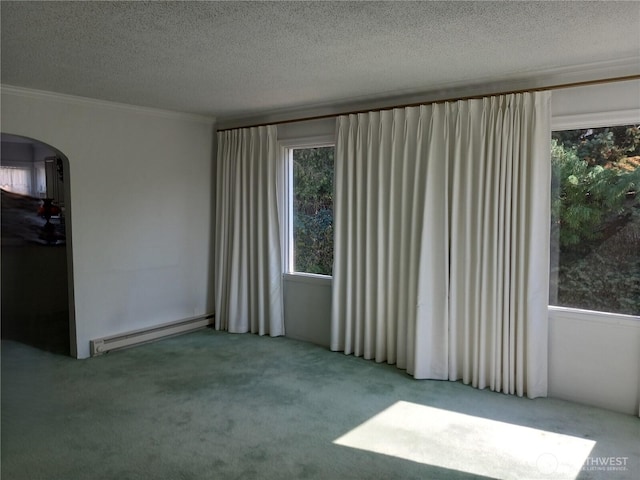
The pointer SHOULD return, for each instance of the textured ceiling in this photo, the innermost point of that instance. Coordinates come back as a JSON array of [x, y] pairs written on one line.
[[234, 59]]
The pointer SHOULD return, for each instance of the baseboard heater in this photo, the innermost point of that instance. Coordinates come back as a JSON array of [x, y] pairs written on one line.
[[145, 335]]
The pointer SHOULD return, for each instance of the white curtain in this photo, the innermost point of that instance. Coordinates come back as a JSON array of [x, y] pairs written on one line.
[[442, 235], [248, 251]]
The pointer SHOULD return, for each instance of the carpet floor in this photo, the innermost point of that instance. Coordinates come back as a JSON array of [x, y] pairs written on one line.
[[212, 405]]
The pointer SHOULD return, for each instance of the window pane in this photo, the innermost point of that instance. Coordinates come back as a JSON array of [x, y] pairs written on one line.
[[595, 215], [16, 180], [313, 210]]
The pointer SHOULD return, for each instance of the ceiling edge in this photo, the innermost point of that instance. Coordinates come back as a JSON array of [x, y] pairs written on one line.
[[85, 101], [596, 71]]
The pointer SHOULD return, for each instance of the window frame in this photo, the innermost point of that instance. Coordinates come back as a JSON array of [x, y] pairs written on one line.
[[288, 255], [576, 122]]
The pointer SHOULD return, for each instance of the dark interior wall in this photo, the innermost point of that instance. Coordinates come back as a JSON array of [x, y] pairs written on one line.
[[35, 307], [13, 152]]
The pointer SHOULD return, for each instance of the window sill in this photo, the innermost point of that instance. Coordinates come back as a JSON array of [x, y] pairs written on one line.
[[593, 316], [311, 278]]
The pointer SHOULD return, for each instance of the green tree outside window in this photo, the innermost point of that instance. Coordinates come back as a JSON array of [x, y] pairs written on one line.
[[595, 219], [313, 210]]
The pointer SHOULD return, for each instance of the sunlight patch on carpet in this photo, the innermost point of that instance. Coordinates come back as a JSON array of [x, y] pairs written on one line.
[[469, 444]]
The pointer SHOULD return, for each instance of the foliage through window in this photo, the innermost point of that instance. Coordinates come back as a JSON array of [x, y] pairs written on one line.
[[595, 219], [312, 221]]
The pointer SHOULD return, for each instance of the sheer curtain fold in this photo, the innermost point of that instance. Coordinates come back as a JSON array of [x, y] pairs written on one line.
[[441, 258], [247, 247]]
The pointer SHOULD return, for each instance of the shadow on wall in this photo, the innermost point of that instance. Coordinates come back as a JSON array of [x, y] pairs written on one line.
[[34, 267]]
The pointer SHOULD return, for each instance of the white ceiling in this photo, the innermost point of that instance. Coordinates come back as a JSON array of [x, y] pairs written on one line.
[[242, 59]]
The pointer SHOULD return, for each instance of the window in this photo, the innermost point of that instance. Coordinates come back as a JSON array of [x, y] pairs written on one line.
[[16, 179], [595, 219], [310, 235], [23, 180]]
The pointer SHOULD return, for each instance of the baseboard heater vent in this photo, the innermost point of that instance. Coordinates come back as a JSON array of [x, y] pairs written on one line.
[[145, 335]]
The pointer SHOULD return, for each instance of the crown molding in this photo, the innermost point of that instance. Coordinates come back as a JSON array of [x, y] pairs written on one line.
[[92, 102]]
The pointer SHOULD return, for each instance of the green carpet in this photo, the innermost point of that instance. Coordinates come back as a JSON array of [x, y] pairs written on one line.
[[211, 405]]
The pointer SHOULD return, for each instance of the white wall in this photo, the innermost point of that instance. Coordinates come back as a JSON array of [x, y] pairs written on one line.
[[140, 207], [307, 308], [595, 359], [596, 105], [592, 360]]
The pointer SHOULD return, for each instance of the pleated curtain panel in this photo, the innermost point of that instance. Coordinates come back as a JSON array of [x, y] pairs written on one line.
[[442, 240], [247, 240]]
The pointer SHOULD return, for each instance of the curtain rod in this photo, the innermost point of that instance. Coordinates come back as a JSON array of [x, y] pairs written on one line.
[[454, 99]]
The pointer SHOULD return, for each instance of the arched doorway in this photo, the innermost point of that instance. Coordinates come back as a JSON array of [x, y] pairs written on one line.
[[37, 269]]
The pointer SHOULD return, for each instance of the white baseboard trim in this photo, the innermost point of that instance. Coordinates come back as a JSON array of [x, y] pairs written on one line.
[[103, 345]]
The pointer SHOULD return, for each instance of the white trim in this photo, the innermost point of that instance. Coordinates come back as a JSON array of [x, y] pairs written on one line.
[[286, 151], [310, 278], [287, 231], [145, 335], [85, 101], [595, 120], [603, 318]]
